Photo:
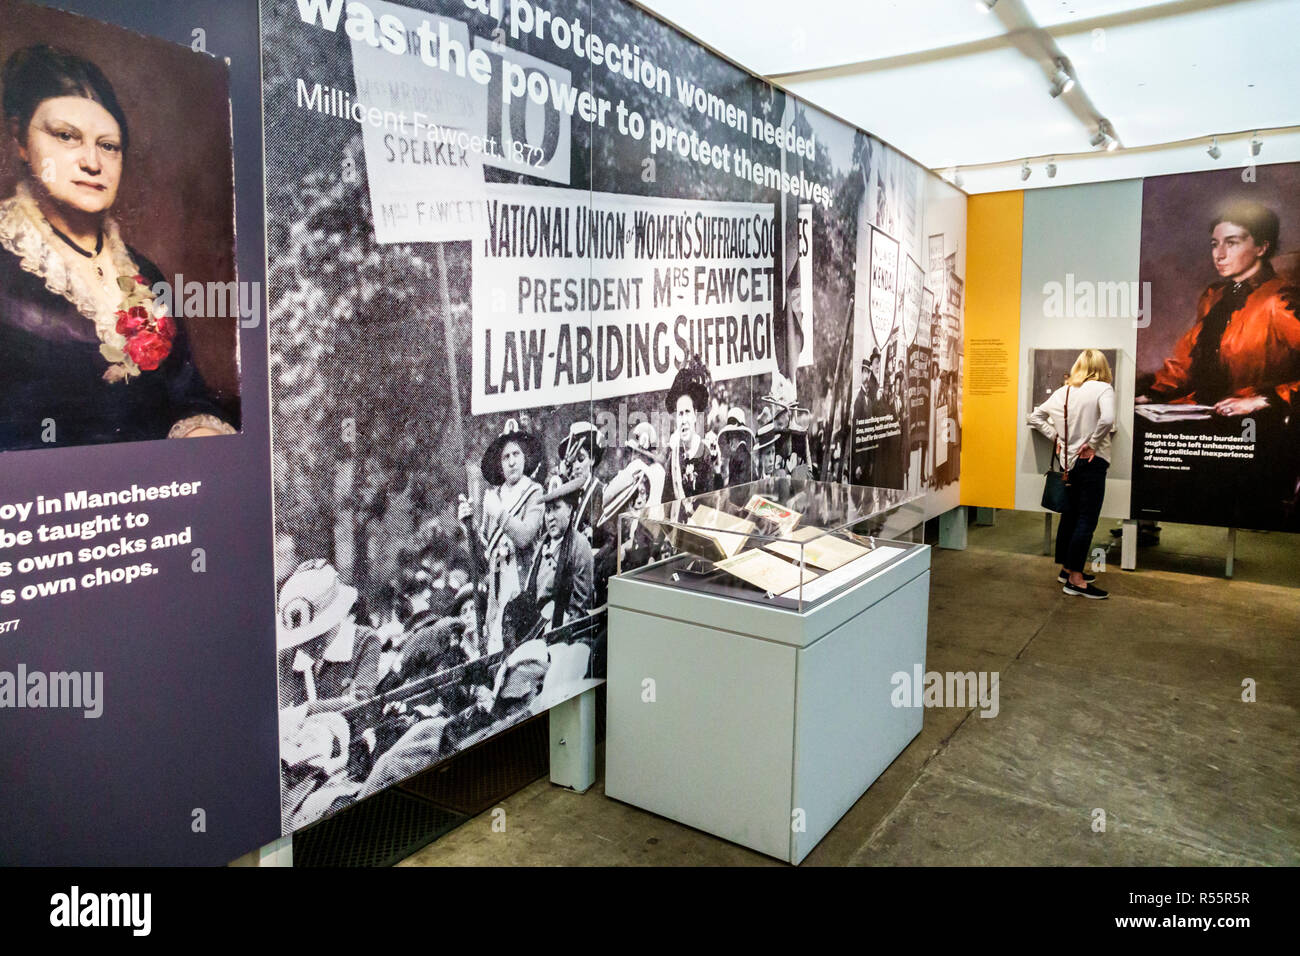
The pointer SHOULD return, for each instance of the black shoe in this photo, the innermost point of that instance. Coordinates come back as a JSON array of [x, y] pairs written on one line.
[[1087, 591], [1064, 578]]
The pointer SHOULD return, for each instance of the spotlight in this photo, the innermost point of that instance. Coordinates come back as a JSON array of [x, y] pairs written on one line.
[[1025, 171], [985, 6], [1214, 150], [954, 177], [1256, 144], [1062, 81], [1051, 169], [1104, 137]]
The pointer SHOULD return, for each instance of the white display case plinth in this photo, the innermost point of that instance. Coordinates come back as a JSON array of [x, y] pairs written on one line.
[[762, 724]]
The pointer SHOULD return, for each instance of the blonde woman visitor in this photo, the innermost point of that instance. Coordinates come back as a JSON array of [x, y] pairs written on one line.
[[1079, 418]]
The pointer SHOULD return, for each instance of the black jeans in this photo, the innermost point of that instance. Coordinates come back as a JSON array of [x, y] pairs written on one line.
[[1087, 487]]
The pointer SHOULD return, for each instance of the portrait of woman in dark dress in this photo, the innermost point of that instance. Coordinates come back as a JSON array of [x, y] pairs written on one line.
[[87, 354]]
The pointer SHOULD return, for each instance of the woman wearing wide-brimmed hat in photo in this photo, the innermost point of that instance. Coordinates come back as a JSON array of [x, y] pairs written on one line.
[[328, 660], [691, 459], [736, 444], [511, 522], [581, 452], [327, 663], [643, 444], [639, 483], [560, 580]]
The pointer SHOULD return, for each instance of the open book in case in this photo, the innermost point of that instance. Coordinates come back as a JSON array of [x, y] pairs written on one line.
[[782, 542]]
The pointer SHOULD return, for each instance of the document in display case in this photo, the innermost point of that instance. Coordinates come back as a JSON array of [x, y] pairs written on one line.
[[782, 542], [753, 636]]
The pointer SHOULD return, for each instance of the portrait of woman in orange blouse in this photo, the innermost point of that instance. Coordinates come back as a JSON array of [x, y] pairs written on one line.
[[1242, 354]]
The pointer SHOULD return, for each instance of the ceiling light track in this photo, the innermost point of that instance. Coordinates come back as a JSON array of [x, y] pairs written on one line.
[[1104, 136]]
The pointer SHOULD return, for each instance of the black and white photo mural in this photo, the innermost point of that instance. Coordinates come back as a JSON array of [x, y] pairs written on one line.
[[907, 332], [533, 266]]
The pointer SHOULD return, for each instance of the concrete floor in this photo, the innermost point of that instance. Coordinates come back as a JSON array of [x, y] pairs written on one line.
[[1132, 705], [1261, 557]]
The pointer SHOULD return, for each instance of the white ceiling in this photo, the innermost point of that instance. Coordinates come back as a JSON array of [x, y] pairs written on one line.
[[955, 87]]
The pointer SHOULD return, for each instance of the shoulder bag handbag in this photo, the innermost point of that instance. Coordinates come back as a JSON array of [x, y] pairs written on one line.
[[1056, 494]]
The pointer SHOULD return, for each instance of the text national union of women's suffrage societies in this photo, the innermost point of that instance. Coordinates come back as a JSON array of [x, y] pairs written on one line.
[[581, 296], [577, 295]]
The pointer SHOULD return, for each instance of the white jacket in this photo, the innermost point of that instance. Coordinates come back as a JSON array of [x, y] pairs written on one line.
[[1092, 419]]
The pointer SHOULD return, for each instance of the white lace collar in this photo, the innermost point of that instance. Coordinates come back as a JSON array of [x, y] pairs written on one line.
[[25, 232]]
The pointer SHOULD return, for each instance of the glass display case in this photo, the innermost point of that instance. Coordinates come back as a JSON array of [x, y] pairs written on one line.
[[780, 542], [768, 620]]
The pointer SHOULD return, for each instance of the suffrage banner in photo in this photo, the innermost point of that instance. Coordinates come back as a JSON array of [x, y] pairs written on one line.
[[428, 132], [935, 270], [925, 319], [1215, 430], [583, 295], [955, 284], [425, 166], [950, 354], [918, 393], [912, 300], [883, 287], [946, 320], [806, 282], [878, 452], [941, 436]]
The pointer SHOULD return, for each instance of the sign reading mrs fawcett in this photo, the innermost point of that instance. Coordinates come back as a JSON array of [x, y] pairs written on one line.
[[581, 296]]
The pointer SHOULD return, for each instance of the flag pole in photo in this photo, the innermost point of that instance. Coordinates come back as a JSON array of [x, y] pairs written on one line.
[[458, 427], [787, 318], [845, 361]]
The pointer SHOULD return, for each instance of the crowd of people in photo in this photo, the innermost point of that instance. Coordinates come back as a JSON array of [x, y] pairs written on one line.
[[459, 641], [489, 619], [883, 434], [880, 398]]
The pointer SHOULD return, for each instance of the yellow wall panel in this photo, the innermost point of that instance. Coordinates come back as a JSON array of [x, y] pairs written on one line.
[[990, 380]]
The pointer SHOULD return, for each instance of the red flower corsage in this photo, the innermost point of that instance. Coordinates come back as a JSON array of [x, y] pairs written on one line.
[[148, 349], [147, 333]]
